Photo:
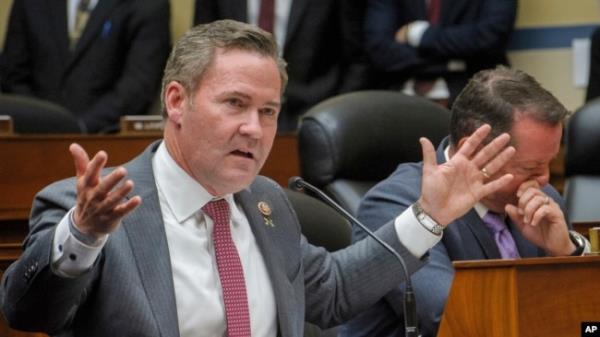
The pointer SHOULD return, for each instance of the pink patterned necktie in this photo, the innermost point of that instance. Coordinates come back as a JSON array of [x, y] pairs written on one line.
[[230, 269], [504, 240]]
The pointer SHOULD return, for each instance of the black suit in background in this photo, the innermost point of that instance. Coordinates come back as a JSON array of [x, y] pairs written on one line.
[[323, 49], [473, 31], [114, 70]]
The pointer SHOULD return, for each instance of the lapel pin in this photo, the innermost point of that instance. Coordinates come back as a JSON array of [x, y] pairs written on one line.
[[266, 211]]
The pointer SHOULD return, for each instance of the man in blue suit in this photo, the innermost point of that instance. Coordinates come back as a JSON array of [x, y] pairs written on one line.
[[187, 239], [531, 212], [432, 47]]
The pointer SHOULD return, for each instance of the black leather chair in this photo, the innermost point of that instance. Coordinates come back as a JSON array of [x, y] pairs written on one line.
[[582, 163], [350, 142], [31, 115], [322, 226]]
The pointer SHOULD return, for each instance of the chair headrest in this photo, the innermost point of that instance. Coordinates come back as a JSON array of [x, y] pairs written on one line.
[[583, 141], [31, 115], [364, 135]]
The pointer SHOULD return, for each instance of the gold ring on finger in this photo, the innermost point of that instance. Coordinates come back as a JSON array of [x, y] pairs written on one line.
[[547, 200], [485, 172]]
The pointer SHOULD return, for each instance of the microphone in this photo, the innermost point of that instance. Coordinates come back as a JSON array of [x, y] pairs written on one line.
[[410, 305]]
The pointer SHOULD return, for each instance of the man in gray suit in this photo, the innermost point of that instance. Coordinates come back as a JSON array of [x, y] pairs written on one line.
[[533, 211], [201, 245]]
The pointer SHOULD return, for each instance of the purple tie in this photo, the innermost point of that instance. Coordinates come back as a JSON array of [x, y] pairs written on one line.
[[230, 269], [504, 240]]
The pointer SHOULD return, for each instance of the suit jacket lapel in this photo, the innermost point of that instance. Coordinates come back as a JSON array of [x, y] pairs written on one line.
[[482, 235], [146, 232], [279, 280], [296, 15], [92, 29], [58, 22]]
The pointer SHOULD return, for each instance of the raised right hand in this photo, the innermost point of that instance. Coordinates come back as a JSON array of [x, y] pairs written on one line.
[[450, 189], [101, 202]]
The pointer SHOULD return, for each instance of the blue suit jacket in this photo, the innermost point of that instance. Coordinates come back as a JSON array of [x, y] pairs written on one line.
[[475, 31], [467, 238]]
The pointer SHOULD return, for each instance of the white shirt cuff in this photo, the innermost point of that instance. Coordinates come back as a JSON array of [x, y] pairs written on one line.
[[416, 238], [416, 29], [70, 256]]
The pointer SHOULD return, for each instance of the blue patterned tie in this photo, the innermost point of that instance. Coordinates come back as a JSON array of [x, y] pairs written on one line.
[[504, 240]]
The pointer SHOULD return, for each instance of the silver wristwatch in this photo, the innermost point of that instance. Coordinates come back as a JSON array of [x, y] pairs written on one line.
[[425, 220]]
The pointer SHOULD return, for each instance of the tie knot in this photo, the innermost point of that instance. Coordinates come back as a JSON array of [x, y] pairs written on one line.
[[218, 210], [494, 221]]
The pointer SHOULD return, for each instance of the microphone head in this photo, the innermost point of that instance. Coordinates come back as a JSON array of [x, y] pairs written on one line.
[[295, 183]]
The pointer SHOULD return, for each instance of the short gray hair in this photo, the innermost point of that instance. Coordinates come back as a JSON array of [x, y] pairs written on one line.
[[194, 52], [494, 96]]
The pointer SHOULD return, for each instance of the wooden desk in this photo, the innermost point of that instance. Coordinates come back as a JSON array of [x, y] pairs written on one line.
[[28, 163], [524, 297]]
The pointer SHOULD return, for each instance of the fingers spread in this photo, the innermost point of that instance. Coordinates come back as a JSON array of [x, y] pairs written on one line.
[[500, 160], [474, 140], [492, 151], [80, 159], [117, 195], [125, 208], [109, 182], [494, 185], [95, 166]]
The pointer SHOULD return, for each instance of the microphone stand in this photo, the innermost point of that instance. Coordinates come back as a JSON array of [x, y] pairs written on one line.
[[410, 305]]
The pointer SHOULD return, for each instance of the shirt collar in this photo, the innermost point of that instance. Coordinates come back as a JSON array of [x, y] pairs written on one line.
[[184, 195]]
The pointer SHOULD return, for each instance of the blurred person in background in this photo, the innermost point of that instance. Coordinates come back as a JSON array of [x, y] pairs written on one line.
[[322, 42], [431, 48], [100, 59]]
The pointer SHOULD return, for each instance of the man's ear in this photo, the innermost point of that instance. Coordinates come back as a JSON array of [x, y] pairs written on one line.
[[175, 102]]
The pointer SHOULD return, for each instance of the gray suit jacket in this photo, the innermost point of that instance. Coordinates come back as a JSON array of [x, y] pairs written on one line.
[[467, 238], [129, 289]]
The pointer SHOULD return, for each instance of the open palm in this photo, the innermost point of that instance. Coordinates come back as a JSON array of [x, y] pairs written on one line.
[[450, 189]]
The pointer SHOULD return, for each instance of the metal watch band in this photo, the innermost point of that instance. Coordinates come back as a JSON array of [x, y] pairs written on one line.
[[425, 220], [580, 242]]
